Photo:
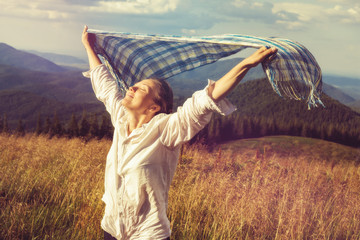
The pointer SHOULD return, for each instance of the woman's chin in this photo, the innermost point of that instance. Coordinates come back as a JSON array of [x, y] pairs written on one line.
[[125, 101]]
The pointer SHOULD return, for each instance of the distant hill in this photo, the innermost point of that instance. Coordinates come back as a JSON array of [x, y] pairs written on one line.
[[65, 61], [186, 83], [65, 86], [17, 104], [337, 94], [262, 112], [350, 86], [59, 58], [355, 106], [258, 98], [24, 94], [13, 57]]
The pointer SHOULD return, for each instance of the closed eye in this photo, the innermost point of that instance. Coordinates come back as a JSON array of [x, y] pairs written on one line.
[[142, 87]]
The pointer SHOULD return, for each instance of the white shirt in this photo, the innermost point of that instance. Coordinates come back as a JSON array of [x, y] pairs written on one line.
[[140, 166]]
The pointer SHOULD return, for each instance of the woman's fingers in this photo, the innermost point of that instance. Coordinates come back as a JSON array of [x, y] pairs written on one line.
[[265, 53], [86, 38], [260, 55]]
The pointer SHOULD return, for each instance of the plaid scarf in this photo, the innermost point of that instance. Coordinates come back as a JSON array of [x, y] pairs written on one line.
[[292, 72]]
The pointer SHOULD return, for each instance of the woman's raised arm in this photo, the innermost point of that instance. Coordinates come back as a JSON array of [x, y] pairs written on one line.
[[224, 85], [88, 40]]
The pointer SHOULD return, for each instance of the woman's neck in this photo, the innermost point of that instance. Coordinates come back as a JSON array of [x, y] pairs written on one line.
[[136, 121]]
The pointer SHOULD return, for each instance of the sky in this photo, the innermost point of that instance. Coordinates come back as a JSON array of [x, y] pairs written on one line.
[[330, 29]]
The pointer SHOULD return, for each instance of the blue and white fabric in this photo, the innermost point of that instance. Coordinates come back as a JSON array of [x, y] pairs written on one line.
[[293, 72]]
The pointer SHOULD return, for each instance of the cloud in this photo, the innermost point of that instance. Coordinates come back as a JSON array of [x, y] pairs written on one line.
[[160, 16], [45, 9], [178, 16], [135, 6], [345, 11], [294, 16], [189, 17], [66, 9], [168, 23], [345, 14], [342, 2], [184, 16], [251, 10]]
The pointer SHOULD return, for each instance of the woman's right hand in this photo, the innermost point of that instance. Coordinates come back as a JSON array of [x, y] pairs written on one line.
[[88, 39]]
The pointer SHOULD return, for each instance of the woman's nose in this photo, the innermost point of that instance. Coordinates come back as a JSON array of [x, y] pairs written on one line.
[[132, 89]]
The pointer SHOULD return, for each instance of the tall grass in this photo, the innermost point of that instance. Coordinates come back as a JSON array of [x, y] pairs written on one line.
[[51, 189]]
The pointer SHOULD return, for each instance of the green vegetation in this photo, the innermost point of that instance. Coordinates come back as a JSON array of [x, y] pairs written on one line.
[[26, 94], [33, 97], [87, 128], [261, 112]]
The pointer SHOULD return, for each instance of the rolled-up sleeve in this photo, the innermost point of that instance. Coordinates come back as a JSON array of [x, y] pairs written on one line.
[[193, 116], [105, 89], [223, 107]]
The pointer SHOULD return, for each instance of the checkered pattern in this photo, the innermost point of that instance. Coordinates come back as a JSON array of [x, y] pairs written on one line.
[[293, 72]]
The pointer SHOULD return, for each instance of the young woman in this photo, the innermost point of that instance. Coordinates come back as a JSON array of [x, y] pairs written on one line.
[[147, 138]]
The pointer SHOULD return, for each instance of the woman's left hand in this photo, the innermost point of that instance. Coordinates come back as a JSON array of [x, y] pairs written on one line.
[[259, 56]]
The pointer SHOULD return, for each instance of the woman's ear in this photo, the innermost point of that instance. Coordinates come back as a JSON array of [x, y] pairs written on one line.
[[154, 108]]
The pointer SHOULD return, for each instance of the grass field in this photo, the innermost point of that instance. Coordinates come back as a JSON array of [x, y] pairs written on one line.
[[268, 188]]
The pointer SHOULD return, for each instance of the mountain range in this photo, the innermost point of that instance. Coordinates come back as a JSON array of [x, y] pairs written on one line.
[[63, 60], [31, 85], [342, 89], [17, 58]]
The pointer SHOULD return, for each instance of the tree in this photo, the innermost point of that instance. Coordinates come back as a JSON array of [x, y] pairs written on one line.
[[247, 130], [20, 129], [213, 129], [84, 125], [39, 127], [56, 129], [271, 126], [73, 127], [255, 127], [94, 126], [47, 126], [305, 132], [1, 124], [323, 134], [227, 129], [264, 127], [106, 129], [238, 126], [5, 127]]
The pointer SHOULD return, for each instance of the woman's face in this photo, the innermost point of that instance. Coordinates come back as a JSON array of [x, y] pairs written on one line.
[[140, 96]]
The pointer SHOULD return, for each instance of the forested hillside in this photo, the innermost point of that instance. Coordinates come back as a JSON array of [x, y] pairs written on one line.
[[262, 112], [61, 102], [27, 95]]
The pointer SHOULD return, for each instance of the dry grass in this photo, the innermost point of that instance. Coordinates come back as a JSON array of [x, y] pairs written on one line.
[[51, 189]]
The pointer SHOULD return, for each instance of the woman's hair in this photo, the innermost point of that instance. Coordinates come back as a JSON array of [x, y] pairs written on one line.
[[163, 96]]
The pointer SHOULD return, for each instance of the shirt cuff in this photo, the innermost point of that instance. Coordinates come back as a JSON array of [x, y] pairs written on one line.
[[87, 74], [224, 106]]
